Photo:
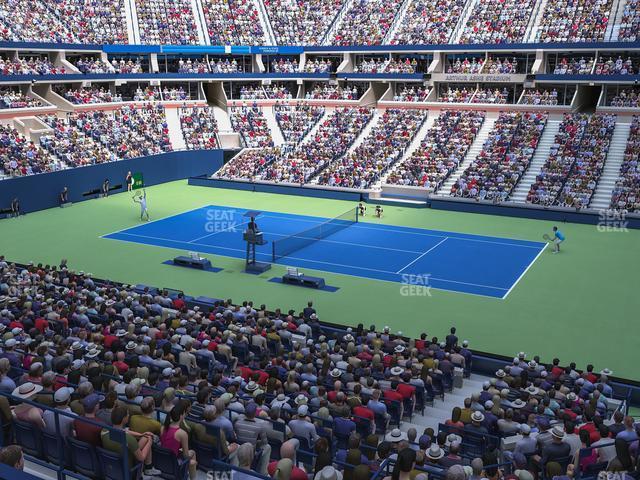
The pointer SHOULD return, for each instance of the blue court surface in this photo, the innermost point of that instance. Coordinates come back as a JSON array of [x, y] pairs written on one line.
[[456, 262]]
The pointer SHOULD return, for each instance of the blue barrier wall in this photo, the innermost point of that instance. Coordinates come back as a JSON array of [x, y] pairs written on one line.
[[527, 212], [272, 188], [38, 192]]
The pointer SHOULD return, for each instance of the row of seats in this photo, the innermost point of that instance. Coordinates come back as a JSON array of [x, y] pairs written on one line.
[[441, 152], [569, 175], [251, 123], [381, 149], [199, 128], [296, 121], [504, 157], [237, 22], [626, 193], [330, 141]]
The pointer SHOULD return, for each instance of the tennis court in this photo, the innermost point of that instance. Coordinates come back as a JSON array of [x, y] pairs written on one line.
[[458, 262]]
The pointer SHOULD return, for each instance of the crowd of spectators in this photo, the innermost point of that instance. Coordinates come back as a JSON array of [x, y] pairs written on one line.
[[225, 66], [498, 22], [199, 127], [97, 22], [319, 66], [456, 95], [147, 94], [575, 160], [630, 22], [582, 180], [616, 67], [88, 95], [13, 98], [20, 157], [175, 94], [296, 121], [412, 94], [574, 66], [233, 22], [539, 96], [465, 66], [29, 66], [252, 93], [193, 66], [559, 422], [249, 163], [628, 97], [271, 389], [428, 22], [251, 123], [497, 66], [373, 65], [330, 141], [301, 23], [167, 22], [504, 157], [491, 95], [285, 65], [626, 193], [574, 21], [366, 22], [72, 145], [32, 21], [279, 92], [440, 152], [381, 149], [324, 91], [92, 66]]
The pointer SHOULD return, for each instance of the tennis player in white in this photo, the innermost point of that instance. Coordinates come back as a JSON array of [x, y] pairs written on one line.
[[142, 200]]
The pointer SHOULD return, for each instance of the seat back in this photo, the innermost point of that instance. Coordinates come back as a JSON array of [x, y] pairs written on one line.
[[165, 461], [205, 454], [52, 449], [28, 437], [112, 467], [83, 458]]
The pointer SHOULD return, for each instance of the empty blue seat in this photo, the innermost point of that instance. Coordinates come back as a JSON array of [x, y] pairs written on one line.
[[171, 467], [29, 438], [113, 466], [84, 459]]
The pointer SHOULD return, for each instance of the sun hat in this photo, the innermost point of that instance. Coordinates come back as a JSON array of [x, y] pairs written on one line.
[[395, 435], [435, 452], [477, 417], [27, 390]]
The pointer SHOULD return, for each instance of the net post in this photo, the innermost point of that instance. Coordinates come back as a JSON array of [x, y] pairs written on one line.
[[357, 215], [273, 251]]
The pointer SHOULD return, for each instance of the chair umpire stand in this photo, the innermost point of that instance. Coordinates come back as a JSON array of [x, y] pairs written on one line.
[[254, 237]]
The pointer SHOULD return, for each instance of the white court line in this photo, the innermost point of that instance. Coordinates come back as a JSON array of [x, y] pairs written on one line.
[[399, 229], [154, 221], [215, 233], [418, 258], [310, 261], [335, 273], [525, 271]]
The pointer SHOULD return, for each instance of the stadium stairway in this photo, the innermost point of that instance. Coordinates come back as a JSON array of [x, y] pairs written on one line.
[[464, 18], [272, 123], [132, 22], [336, 22], [415, 143], [611, 172], [474, 150], [441, 409], [613, 27], [201, 23], [366, 131], [175, 130], [532, 28], [397, 22], [519, 195]]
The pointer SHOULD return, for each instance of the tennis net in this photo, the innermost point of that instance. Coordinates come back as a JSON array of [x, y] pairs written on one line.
[[288, 245]]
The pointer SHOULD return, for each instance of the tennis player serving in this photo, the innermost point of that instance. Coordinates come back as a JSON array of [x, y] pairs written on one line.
[[557, 239], [142, 200]]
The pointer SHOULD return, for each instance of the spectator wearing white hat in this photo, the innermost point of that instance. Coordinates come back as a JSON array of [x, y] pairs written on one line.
[[61, 399], [24, 411], [302, 427]]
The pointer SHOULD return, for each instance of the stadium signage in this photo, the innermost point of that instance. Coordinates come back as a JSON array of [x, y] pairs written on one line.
[[479, 78]]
